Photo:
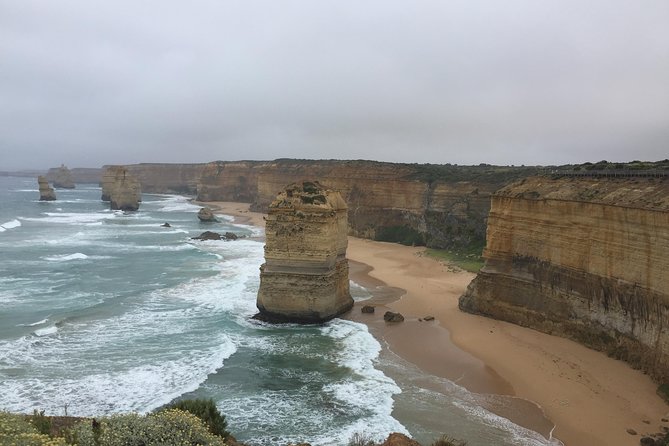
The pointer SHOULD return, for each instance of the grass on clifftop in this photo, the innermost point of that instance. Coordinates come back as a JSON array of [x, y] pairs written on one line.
[[468, 260]]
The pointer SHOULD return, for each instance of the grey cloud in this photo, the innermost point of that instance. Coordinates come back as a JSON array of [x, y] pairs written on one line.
[[515, 82]]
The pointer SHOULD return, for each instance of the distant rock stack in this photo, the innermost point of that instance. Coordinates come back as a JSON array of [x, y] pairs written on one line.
[[63, 178], [305, 275], [122, 189], [46, 192]]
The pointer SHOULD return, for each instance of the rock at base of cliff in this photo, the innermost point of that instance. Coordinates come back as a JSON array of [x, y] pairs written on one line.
[[393, 317], [367, 309], [206, 215], [46, 192], [210, 235]]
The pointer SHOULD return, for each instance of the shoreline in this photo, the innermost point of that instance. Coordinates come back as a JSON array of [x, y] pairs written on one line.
[[591, 398]]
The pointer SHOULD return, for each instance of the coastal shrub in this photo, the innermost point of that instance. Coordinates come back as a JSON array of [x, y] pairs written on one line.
[[168, 427], [400, 234], [17, 430], [445, 440], [361, 439], [41, 422], [205, 410], [663, 391]]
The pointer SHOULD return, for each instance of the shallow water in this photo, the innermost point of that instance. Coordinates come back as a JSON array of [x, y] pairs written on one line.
[[105, 312]]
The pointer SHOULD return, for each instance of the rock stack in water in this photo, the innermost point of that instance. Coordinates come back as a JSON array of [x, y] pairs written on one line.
[[121, 188], [46, 192], [63, 178], [305, 275]]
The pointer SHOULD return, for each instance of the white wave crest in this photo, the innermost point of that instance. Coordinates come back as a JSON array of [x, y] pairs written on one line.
[[66, 257], [10, 225]]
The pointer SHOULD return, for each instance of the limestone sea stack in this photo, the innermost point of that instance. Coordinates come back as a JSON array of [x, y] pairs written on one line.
[[63, 178], [122, 188], [46, 192], [305, 275], [585, 258]]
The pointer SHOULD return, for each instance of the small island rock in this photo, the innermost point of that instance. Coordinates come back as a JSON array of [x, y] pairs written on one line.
[[46, 192], [206, 215]]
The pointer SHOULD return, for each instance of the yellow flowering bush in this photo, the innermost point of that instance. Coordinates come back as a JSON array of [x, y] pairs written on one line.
[[170, 427], [15, 430]]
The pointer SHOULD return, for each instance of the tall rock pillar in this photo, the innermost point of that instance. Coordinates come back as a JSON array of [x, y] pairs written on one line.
[[121, 188], [305, 275], [46, 192]]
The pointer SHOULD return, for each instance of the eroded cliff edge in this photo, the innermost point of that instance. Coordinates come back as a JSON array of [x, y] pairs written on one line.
[[584, 258], [438, 205]]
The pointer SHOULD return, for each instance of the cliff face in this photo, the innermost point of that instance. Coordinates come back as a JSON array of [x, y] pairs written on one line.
[[164, 178], [46, 192], [121, 188], [582, 258], [78, 174], [305, 274], [62, 177], [439, 205]]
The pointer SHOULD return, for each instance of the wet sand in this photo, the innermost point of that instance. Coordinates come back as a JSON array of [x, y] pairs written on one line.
[[592, 399]]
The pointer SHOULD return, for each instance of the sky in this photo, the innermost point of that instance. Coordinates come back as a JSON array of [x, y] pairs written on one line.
[[88, 82]]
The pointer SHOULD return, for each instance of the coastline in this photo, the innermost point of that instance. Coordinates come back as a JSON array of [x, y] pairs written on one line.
[[592, 399]]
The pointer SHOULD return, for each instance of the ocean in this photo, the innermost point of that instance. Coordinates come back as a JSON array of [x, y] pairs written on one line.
[[103, 312]]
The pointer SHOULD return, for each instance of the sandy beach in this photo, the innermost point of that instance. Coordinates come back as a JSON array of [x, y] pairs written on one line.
[[591, 399]]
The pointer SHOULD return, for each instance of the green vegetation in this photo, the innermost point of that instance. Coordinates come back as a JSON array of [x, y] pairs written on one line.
[[205, 410], [632, 165], [18, 430], [469, 260], [169, 426], [663, 391], [400, 234]]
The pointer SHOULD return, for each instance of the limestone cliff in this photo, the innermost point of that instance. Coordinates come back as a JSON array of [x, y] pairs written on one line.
[[441, 206], [584, 258], [62, 178], [46, 192], [305, 274], [91, 175], [165, 178], [121, 188]]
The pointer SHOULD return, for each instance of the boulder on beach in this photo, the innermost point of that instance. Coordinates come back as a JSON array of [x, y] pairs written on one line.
[[367, 309], [393, 317], [205, 214]]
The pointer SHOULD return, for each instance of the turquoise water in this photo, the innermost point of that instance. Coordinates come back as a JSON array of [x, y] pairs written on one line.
[[104, 312]]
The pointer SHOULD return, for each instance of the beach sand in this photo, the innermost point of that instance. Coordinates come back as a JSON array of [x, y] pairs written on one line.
[[591, 398]]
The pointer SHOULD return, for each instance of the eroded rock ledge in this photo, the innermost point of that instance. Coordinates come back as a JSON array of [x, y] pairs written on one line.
[[305, 275], [583, 258]]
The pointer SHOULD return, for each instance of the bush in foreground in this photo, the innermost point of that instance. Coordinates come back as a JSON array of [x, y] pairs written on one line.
[[168, 427], [205, 410], [16, 430]]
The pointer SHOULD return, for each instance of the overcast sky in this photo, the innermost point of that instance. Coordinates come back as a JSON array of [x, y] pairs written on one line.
[[87, 83]]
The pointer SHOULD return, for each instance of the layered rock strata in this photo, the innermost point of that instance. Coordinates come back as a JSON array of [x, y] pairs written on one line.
[[305, 275], [121, 188], [62, 178], [46, 192], [584, 258], [441, 206]]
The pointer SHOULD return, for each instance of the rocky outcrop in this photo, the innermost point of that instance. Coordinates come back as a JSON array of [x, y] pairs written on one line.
[[441, 206], [206, 215], [62, 178], [305, 275], [46, 192], [121, 188], [209, 235], [90, 175], [584, 258]]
